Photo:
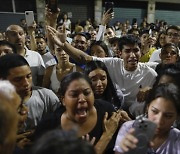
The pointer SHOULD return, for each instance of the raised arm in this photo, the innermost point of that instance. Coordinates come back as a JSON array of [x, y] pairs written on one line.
[[31, 33], [51, 20], [60, 40], [102, 28]]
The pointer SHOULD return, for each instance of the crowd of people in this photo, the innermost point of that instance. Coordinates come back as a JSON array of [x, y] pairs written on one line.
[[65, 90]]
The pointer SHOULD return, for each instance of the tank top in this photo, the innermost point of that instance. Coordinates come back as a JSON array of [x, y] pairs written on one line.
[[55, 83]]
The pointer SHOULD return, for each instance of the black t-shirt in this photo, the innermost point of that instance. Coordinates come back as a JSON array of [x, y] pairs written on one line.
[[52, 121]]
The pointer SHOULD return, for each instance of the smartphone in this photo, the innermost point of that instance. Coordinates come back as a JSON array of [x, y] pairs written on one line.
[[29, 16], [109, 5], [144, 132], [52, 4]]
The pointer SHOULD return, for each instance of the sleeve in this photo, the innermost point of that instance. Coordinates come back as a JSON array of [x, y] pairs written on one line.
[[155, 56], [54, 102], [122, 132], [41, 68], [100, 34]]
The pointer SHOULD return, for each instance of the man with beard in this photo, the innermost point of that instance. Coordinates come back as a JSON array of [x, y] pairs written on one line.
[[47, 57], [16, 36], [127, 73], [40, 101]]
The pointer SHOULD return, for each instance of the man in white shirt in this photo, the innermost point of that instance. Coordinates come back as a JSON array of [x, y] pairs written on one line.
[[16, 35], [127, 72], [42, 49]]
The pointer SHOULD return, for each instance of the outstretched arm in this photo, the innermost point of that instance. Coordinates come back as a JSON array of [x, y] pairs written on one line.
[[60, 40]]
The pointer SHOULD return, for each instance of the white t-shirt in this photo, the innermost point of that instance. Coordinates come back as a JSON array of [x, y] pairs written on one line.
[[36, 64], [129, 82], [48, 59], [155, 56]]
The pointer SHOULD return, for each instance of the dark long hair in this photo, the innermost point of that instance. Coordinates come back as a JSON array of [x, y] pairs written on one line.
[[109, 94], [168, 91]]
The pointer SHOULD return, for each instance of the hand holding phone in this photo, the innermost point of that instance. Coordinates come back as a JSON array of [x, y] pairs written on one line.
[[52, 5], [109, 6], [29, 16], [144, 132]]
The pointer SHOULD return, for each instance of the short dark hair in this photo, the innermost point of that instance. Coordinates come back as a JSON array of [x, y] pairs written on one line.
[[114, 39], [171, 70], [6, 43], [62, 142], [168, 91], [129, 39], [173, 27], [10, 61], [85, 34], [170, 45], [65, 82], [144, 31], [102, 45]]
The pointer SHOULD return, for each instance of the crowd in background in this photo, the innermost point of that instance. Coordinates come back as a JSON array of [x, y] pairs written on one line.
[[78, 88]]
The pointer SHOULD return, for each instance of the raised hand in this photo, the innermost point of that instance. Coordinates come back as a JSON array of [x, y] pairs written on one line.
[[111, 124], [107, 17], [51, 17], [58, 38]]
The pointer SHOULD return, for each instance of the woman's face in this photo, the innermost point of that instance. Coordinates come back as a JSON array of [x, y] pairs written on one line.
[[98, 51], [163, 113], [169, 55], [78, 100], [61, 55], [162, 39], [99, 81]]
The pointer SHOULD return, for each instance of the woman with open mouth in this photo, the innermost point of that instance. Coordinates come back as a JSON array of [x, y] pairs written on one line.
[[93, 119]]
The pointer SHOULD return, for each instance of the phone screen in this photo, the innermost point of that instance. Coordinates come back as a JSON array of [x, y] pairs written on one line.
[[109, 5]]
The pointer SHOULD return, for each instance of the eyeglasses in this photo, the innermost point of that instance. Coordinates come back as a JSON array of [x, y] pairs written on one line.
[[171, 53], [176, 35]]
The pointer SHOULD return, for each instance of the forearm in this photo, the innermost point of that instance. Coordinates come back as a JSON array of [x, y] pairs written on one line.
[[32, 40], [100, 34], [103, 142], [76, 54]]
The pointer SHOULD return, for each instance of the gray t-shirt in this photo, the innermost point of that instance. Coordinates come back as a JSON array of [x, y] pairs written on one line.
[[42, 102]]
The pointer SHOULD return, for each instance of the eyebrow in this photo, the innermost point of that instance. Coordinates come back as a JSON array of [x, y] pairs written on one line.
[[164, 112]]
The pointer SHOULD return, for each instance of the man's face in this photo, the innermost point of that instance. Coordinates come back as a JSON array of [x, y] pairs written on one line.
[[21, 78], [173, 36], [41, 45], [80, 42], [5, 49], [131, 55], [93, 34], [109, 34], [16, 36]]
